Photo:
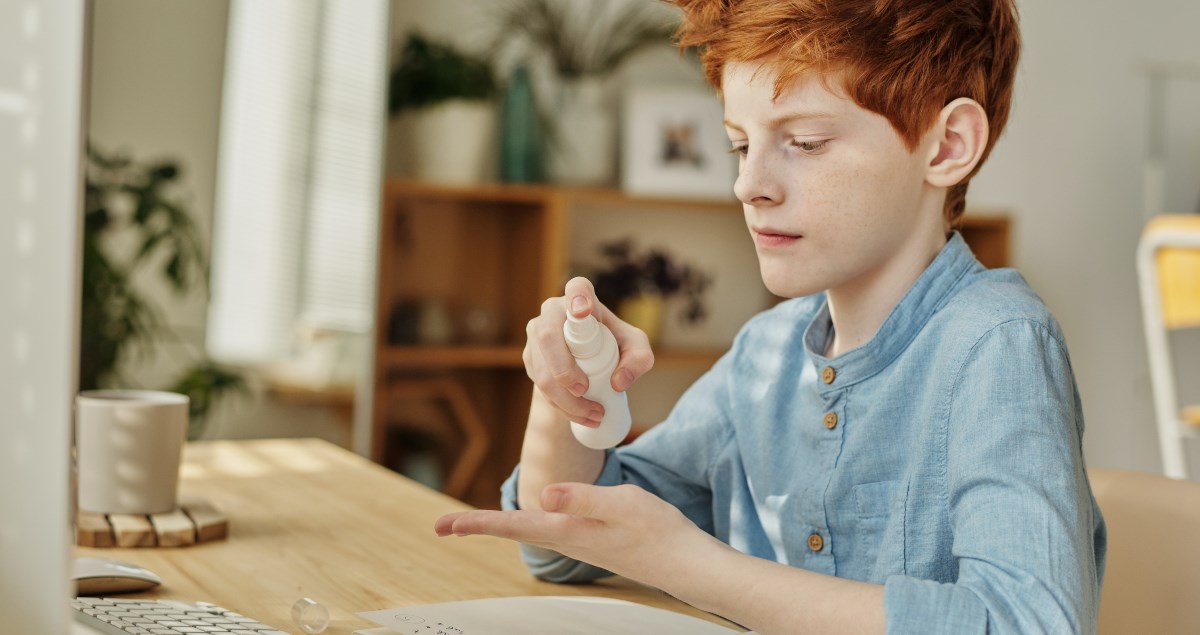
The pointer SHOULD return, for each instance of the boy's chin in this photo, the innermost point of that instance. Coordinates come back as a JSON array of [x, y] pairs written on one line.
[[789, 286]]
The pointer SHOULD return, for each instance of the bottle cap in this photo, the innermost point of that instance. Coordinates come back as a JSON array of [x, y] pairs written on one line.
[[311, 616], [582, 335]]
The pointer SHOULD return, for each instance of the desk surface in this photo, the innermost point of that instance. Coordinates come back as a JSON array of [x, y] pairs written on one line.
[[310, 519]]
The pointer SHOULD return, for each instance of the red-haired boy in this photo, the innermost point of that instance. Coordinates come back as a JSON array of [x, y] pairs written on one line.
[[899, 447]]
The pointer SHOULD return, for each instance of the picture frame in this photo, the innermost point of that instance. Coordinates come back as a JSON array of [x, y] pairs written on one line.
[[674, 144]]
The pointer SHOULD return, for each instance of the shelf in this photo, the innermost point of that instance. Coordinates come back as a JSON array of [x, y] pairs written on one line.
[[525, 194], [412, 357], [619, 198], [491, 193]]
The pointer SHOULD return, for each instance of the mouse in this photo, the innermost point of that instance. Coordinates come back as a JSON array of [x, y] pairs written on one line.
[[95, 576]]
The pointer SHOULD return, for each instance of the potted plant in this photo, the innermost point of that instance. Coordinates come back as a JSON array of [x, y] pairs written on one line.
[[128, 203], [583, 48], [441, 100], [636, 283]]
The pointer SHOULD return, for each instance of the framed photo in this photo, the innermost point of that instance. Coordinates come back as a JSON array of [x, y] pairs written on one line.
[[674, 144]]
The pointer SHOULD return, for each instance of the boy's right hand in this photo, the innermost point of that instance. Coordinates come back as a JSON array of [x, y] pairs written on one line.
[[552, 367]]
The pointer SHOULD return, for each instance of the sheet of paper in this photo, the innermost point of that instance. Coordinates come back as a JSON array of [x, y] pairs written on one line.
[[548, 615]]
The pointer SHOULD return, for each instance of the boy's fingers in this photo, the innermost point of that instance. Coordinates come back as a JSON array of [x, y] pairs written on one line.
[[587, 501], [530, 527], [546, 330], [444, 525], [577, 409], [580, 297], [512, 525], [636, 356], [630, 339]]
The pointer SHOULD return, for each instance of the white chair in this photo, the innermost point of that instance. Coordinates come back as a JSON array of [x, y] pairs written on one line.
[[1168, 263]]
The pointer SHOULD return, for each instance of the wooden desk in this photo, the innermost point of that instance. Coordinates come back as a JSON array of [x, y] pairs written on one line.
[[308, 518]]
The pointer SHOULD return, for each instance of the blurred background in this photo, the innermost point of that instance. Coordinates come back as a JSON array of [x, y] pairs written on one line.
[[333, 219]]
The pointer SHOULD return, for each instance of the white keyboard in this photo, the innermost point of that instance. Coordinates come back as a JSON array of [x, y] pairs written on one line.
[[164, 617]]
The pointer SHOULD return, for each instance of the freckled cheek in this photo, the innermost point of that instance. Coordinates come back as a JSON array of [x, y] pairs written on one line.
[[829, 194], [865, 190]]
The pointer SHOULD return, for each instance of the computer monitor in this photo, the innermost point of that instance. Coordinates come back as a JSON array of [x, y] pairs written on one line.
[[42, 90]]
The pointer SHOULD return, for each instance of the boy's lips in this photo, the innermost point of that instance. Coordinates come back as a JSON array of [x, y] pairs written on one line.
[[768, 237]]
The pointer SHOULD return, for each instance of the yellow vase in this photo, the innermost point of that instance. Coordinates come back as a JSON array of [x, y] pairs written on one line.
[[644, 312]]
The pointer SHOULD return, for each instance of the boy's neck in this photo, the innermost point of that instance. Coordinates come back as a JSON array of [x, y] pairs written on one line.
[[859, 307]]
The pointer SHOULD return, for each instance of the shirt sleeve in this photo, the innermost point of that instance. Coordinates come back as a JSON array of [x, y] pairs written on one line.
[[672, 460], [1027, 537]]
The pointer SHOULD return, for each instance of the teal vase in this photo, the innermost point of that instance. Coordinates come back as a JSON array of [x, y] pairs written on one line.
[[520, 132]]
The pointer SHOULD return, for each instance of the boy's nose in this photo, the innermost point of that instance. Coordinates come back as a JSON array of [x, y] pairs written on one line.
[[755, 185]]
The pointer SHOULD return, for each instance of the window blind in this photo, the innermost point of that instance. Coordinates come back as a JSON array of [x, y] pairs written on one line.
[[299, 169]]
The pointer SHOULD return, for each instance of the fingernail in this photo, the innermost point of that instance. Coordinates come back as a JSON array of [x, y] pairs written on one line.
[[578, 303], [577, 390]]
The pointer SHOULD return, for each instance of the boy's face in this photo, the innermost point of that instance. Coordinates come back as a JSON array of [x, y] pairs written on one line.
[[832, 196]]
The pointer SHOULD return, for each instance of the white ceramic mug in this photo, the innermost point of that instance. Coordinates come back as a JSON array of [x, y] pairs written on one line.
[[128, 445]]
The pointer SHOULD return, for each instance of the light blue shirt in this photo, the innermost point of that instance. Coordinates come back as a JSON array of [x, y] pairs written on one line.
[[942, 459]]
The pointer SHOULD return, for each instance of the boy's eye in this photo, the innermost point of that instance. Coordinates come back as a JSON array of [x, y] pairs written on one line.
[[810, 147], [740, 149]]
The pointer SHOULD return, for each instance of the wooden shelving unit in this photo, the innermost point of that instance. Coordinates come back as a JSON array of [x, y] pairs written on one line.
[[502, 249]]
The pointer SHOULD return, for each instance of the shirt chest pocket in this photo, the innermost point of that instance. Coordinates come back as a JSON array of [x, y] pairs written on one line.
[[880, 511]]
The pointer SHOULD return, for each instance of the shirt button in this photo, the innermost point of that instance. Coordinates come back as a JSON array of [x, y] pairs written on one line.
[[828, 375], [815, 542], [830, 420]]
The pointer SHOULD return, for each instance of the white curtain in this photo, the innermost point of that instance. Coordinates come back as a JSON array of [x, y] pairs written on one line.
[[299, 173]]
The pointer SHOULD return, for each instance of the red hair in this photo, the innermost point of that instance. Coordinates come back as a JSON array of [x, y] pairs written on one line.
[[903, 59]]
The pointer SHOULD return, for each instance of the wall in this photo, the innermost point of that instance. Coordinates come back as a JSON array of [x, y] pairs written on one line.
[[1070, 169], [156, 94], [156, 90], [157, 70]]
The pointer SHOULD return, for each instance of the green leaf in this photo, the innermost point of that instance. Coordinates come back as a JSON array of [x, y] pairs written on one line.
[[173, 270], [145, 206], [432, 72], [205, 384], [148, 245]]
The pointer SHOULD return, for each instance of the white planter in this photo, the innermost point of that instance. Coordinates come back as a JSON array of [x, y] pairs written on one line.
[[583, 150], [452, 142]]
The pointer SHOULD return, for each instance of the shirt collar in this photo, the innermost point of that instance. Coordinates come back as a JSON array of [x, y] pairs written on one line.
[[907, 319]]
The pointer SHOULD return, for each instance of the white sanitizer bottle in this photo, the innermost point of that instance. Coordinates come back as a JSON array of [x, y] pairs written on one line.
[[595, 350]]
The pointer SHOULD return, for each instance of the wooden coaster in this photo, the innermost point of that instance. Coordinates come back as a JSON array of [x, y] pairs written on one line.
[[195, 521]]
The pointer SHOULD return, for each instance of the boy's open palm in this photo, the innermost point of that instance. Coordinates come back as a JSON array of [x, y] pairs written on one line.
[[623, 529]]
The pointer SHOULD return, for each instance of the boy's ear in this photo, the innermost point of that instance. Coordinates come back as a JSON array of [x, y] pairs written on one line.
[[960, 136]]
